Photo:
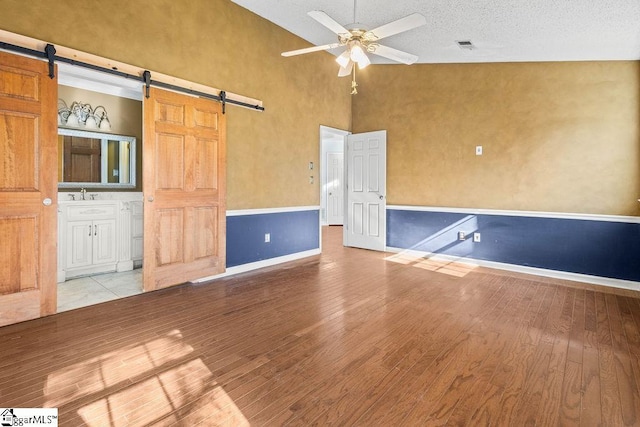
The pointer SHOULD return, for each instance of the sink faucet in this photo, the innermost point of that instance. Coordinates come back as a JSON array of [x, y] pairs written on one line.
[[83, 193]]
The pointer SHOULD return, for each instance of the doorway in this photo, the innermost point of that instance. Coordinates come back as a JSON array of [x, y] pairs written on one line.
[[97, 267], [332, 175]]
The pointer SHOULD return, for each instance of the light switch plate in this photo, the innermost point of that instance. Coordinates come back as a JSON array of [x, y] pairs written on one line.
[[478, 150]]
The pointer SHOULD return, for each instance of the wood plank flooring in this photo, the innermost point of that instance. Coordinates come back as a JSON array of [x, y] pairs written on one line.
[[352, 337]]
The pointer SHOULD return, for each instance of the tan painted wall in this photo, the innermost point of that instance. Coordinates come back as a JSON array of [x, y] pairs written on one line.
[[561, 137], [217, 43]]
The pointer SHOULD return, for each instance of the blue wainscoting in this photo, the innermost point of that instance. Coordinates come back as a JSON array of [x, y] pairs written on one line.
[[291, 232], [593, 247]]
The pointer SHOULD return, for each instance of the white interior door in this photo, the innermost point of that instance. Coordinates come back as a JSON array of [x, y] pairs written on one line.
[[335, 188], [366, 190]]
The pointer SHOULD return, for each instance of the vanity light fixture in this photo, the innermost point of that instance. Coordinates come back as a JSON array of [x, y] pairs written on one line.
[[83, 116]]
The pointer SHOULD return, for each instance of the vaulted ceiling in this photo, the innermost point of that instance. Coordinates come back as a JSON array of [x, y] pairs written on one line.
[[500, 30]]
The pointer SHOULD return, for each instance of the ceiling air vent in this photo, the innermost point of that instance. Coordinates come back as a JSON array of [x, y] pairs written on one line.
[[465, 44]]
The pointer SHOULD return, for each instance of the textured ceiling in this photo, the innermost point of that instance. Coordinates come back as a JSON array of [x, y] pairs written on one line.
[[501, 30]]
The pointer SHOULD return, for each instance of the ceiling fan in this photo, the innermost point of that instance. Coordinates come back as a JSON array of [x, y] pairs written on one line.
[[359, 41]]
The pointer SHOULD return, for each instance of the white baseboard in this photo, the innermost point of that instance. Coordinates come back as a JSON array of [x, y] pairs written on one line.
[[260, 264], [556, 274], [124, 265]]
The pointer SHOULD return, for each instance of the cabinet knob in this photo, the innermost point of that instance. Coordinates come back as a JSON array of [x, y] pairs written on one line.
[[47, 202], [150, 198]]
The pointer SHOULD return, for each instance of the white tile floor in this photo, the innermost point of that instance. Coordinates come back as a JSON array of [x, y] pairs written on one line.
[[84, 291]]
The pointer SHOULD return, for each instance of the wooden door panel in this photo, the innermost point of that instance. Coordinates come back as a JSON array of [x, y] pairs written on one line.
[[82, 159], [19, 271], [206, 165], [205, 232], [19, 169], [167, 112], [19, 83], [169, 237], [20, 306], [184, 187], [169, 161], [206, 119], [28, 189]]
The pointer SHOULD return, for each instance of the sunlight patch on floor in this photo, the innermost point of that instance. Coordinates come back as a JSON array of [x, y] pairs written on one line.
[[438, 265], [154, 381]]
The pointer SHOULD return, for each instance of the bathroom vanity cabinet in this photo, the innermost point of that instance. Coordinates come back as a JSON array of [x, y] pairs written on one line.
[[96, 236]]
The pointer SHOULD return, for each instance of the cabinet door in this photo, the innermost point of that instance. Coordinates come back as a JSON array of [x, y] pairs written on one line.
[[104, 241], [79, 243]]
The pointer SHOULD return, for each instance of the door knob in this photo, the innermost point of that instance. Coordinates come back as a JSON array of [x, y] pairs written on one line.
[[150, 198], [47, 202]]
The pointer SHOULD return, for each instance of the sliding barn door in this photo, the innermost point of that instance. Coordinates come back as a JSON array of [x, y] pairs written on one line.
[[184, 189], [28, 189]]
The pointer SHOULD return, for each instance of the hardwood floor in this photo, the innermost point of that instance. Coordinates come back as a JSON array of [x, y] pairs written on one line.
[[352, 337]]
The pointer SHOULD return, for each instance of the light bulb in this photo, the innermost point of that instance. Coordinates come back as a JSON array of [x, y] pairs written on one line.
[[104, 124], [72, 120], [343, 59], [91, 123], [357, 54]]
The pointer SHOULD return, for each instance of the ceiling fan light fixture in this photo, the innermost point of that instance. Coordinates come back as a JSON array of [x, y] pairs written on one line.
[[364, 62], [343, 59], [357, 53], [358, 42]]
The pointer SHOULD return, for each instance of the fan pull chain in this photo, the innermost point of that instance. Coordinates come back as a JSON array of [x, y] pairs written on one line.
[[354, 85]]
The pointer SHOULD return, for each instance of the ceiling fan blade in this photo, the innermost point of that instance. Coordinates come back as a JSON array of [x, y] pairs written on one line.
[[328, 22], [403, 24], [310, 49], [345, 71], [395, 54]]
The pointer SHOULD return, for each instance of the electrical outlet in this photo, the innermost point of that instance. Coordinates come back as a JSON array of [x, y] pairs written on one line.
[[267, 237], [476, 237], [310, 166], [311, 179], [461, 235]]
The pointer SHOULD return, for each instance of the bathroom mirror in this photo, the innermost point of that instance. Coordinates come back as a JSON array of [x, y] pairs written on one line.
[[94, 159]]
